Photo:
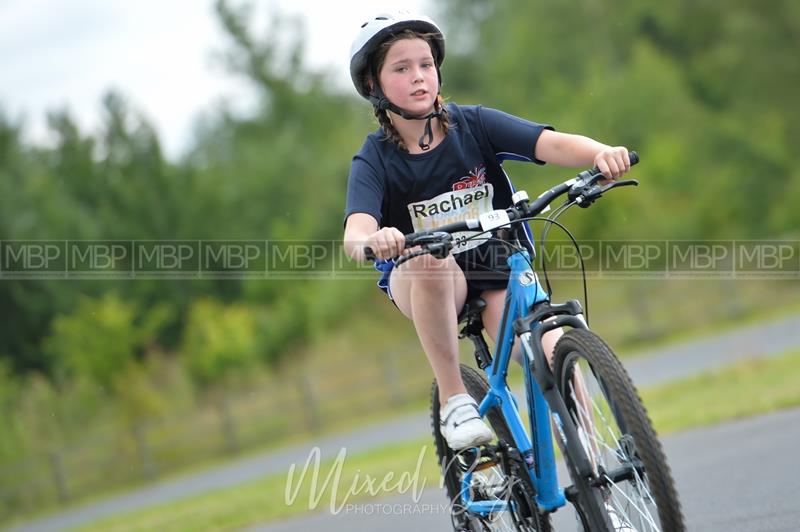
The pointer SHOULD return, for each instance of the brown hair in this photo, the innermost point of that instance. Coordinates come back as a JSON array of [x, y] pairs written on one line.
[[377, 63]]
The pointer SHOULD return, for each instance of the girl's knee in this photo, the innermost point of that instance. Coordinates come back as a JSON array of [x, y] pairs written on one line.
[[430, 272], [549, 341], [429, 263]]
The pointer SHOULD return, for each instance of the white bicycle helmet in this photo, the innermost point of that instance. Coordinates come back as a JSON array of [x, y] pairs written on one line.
[[374, 32]]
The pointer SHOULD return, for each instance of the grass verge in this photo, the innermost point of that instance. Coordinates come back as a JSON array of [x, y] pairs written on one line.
[[745, 389], [329, 486], [749, 388]]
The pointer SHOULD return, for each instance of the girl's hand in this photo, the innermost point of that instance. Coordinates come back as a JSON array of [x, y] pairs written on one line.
[[613, 162], [386, 243]]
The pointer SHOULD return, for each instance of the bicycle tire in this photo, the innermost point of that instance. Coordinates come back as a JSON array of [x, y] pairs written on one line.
[[617, 433], [526, 517]]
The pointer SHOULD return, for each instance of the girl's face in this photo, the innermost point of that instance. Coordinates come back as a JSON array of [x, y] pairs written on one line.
[[408, 76]]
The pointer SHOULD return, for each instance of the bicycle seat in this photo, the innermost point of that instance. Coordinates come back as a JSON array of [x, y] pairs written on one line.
[[471, 313]]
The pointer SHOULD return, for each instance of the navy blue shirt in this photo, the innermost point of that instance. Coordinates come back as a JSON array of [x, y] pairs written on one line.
[[458, 179]]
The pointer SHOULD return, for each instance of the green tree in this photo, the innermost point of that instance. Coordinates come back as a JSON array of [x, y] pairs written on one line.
[[98, 339], [220, 342]]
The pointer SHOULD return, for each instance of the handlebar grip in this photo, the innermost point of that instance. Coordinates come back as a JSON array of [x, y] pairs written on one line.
[[632, 155], [590, 177], [412, 237]]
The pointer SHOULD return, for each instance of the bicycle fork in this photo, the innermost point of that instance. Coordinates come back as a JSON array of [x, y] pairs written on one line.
[[530, 330]]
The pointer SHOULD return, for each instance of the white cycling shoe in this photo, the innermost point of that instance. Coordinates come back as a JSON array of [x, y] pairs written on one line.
[[461, 424]]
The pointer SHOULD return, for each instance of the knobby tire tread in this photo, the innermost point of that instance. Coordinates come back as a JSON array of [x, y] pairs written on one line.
[[620, 386]]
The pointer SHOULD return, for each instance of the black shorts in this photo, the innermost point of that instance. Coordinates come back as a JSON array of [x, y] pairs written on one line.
[[485, 268]]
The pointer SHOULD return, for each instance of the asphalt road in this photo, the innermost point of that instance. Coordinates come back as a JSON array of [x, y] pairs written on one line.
[[652, 367], [739, 476]]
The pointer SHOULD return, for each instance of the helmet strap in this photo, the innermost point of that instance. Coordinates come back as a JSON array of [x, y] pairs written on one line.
[[425, 146], [380, 101]]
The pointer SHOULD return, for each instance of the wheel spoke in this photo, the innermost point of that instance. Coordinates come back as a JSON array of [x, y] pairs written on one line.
[[642, 510]]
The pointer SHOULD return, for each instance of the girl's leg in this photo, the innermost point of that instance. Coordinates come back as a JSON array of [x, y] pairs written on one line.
[[431, 292], [493, 313]]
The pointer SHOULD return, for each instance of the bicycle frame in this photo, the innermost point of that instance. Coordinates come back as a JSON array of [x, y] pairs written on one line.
[[527, 315]]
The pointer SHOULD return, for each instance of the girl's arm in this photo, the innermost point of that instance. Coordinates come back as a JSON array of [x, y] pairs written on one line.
[[362, 230], [565, 149]]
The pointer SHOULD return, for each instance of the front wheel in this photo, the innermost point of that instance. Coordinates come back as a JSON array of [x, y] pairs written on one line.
[[635, 486]]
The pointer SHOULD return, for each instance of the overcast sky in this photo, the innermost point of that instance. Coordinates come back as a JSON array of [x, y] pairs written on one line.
[[158, 53]]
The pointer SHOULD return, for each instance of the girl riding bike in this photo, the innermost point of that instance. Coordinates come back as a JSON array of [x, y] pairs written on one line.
[[431, 164]]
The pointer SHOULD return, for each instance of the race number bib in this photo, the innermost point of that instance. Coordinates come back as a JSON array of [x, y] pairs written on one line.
[[450, 207]]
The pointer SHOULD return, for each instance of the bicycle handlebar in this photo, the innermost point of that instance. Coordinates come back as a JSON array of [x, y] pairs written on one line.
[[583, 189]]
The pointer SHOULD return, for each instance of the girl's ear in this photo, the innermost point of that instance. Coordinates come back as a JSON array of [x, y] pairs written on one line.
[[370, 82]]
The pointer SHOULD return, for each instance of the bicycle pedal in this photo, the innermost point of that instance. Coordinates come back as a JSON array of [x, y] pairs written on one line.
[[485, 462], [477, 458]]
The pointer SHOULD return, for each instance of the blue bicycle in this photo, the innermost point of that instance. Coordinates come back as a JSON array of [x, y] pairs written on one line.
[[619, 474]]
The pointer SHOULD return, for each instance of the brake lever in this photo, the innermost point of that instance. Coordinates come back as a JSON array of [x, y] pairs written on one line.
[[440, 250], [414, 254], [429, 239], [623, 183], [589, 195]]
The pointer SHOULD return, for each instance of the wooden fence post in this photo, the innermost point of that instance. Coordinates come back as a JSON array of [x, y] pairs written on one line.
[[308, 402], [228, 426], [143, 450], [59, 477], [392, 377]]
